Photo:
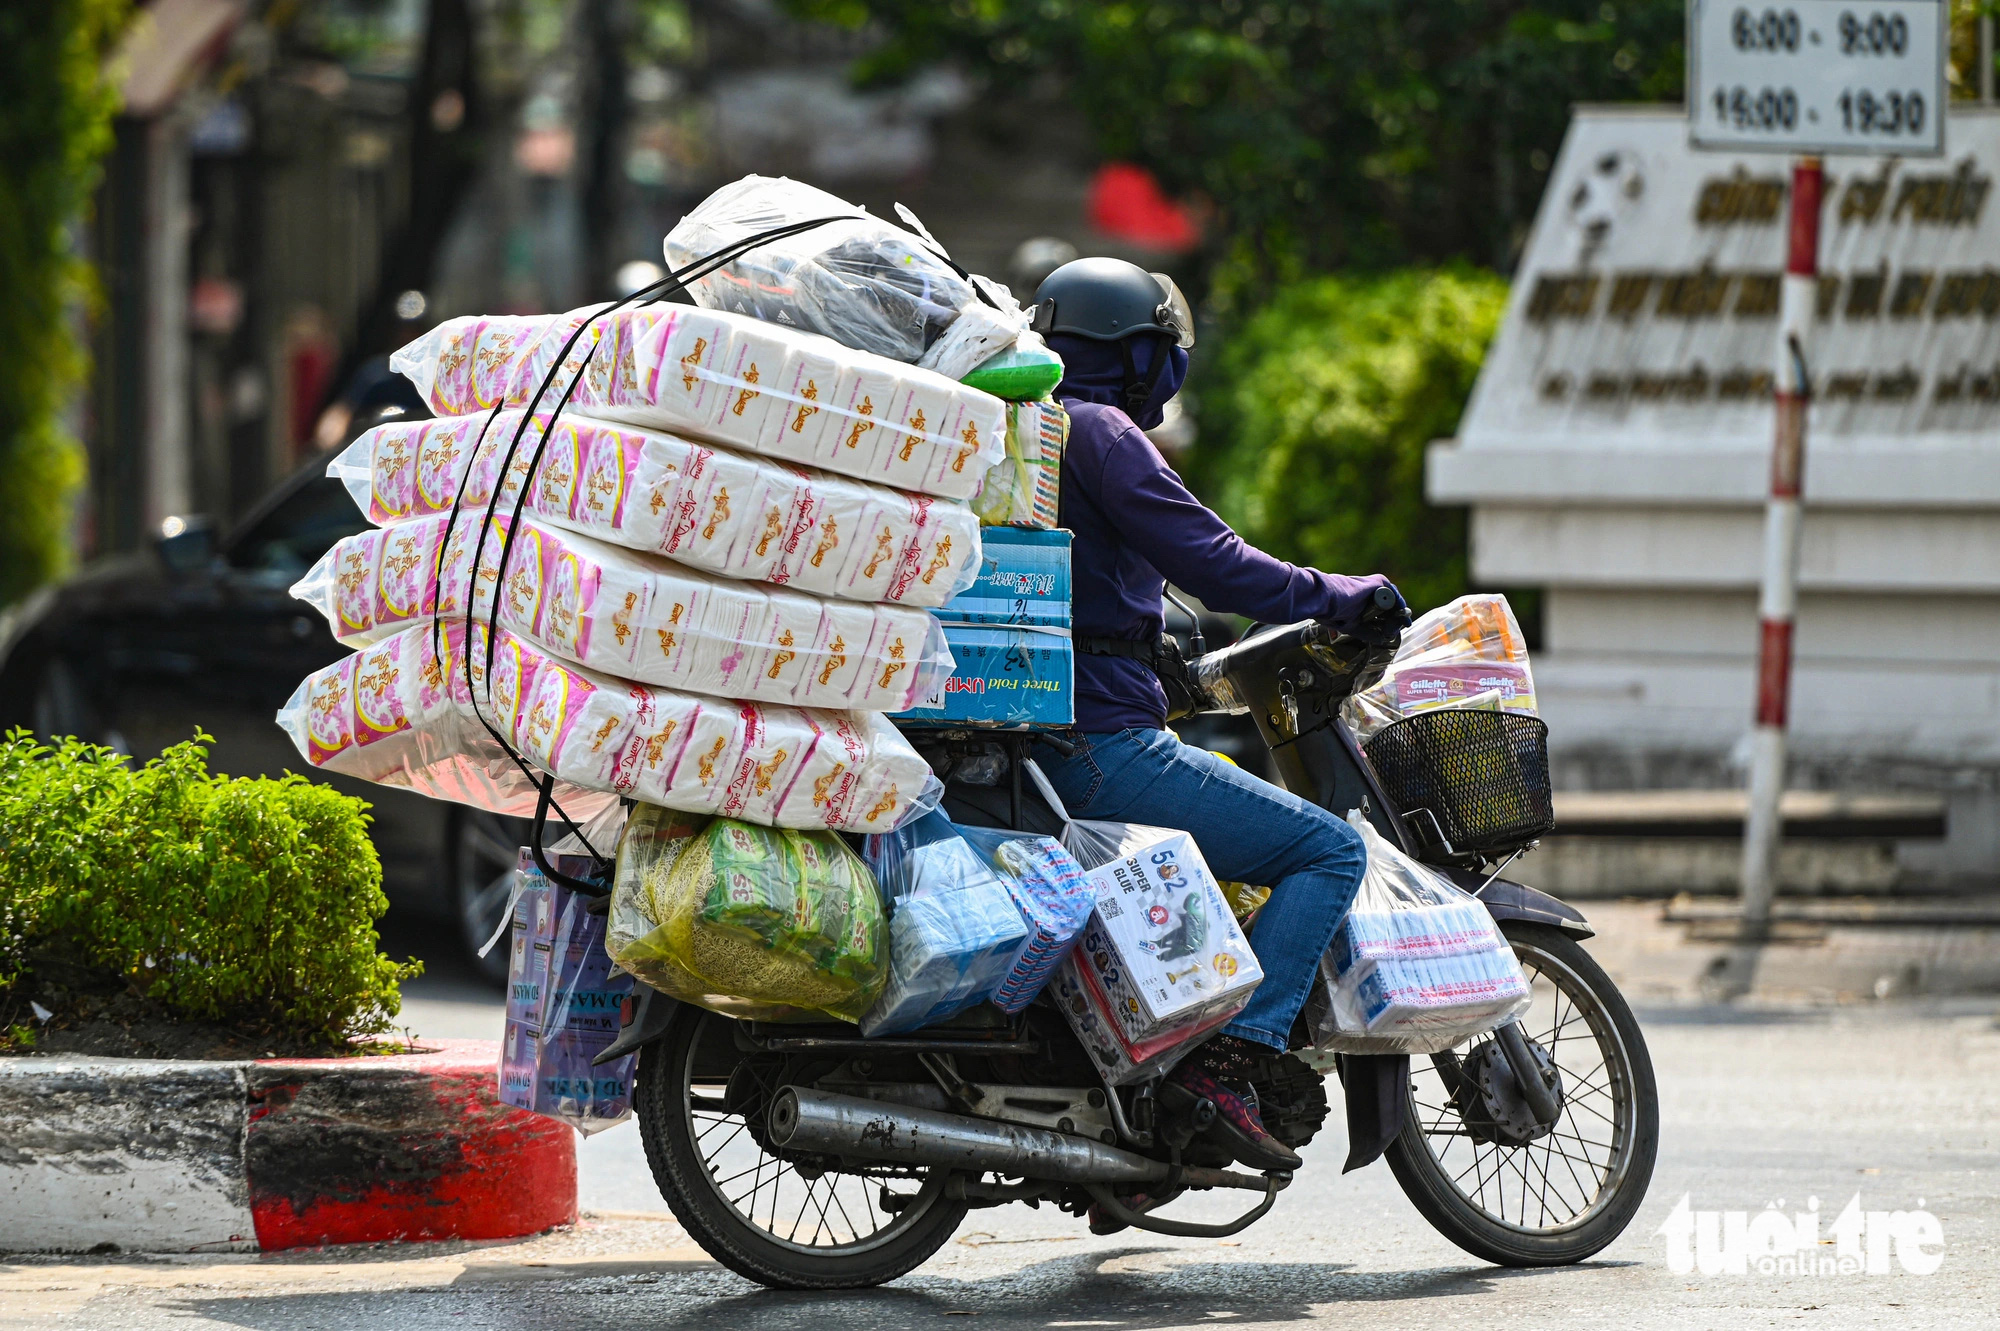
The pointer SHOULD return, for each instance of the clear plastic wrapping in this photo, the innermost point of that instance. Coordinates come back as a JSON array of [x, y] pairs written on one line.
[[1416, 965], [727, 378], [563, 1001], [632, 615], [1468, 654], [726, 513], [394, 712], [861, 281], [955, 931], [750, 921]]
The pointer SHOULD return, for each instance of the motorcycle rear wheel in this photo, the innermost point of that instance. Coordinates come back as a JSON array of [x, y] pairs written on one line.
[[1557, 1200], [759, 1215]]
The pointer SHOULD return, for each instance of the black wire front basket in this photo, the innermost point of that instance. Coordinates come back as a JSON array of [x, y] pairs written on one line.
[[1483, 775]]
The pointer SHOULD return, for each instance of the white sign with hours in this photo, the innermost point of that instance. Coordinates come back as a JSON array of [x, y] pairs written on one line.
[[1817, 76]]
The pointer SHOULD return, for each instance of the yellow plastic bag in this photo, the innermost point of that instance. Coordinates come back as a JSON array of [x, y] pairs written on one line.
[[1244, 899], [749, 921]]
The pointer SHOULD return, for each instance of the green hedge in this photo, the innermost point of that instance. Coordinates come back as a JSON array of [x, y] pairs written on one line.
[[249, 903], [55, 126], [1315, 414]]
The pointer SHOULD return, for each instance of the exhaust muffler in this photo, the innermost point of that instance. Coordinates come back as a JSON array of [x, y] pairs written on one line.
[[846, 1125]]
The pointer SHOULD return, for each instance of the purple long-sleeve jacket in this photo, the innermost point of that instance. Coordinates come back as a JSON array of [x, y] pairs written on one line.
[[1137, 528]]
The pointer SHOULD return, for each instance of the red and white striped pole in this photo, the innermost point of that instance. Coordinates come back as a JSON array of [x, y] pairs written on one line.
[[1778, 604]]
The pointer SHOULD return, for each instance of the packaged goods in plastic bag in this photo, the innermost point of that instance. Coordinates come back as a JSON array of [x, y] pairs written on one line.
[[1054, 897], [385, 714], [632, 615], [866, 283], [1469, 653], [1162, 961], [786, 766], [732, 515], [563, 1006], [654, 839], [732, 380], [1416, 965], [1020, 373], [954, 928], [749, 921], [1023, 489]]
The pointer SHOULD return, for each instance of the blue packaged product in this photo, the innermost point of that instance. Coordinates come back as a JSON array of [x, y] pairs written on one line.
[[1010, 635], [954, 928], [1023, 578], [1055, 899]]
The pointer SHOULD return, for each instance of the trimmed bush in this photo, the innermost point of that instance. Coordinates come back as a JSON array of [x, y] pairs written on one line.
[[1316, 413], [246, 903]]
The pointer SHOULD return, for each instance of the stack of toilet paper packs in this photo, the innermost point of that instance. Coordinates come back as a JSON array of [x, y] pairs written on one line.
[[700, 583]]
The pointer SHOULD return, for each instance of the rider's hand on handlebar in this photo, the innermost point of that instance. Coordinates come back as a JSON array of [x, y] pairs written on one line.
[[1377, 617]]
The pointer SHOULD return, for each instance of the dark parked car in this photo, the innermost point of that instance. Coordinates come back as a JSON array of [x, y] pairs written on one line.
[[137, 651]]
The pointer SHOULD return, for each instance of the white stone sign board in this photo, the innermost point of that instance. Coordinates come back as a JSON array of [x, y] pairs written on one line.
[[1645, 306]]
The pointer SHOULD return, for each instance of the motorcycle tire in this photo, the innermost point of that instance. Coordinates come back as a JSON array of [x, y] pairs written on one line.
[[1428, 1181], [663, 1102]]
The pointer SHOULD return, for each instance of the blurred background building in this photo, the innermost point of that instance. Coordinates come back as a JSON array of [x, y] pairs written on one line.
[[297, 188]]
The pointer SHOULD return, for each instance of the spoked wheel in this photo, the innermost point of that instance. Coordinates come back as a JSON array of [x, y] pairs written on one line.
[[485, 852], [1559, 1196], [782, 1222]]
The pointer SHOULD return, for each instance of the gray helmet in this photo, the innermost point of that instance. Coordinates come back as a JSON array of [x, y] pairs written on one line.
[[1110, 300]]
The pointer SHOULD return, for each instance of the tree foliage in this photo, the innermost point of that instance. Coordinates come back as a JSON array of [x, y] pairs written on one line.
[[247, 902], [1318, 410], [1325, 134], [55, 125]]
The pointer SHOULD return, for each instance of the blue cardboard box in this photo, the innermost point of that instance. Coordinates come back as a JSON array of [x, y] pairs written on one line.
[[1010, 634], [1024, 578]]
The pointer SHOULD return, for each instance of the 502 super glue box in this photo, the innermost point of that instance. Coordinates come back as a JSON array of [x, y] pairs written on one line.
[[1162, 960]]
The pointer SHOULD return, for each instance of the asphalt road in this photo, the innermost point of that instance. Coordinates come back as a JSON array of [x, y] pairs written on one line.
[[1896, 1101]]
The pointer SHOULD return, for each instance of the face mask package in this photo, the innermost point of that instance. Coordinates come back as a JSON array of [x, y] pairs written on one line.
[[1468, 653], [955, 931], [732, 380], [563, 999], [728, 514], [394, 713], [1416, 965], [860, 281], [631, 615], [748, 921]]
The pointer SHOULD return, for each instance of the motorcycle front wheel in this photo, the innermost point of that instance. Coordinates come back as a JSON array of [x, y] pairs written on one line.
[[780, 1222], [1561, 1197]]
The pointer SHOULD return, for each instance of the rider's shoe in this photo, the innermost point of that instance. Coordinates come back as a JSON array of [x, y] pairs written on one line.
[[1238, 1126]]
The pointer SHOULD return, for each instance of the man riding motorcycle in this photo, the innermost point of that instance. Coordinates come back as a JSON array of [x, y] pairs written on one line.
[[1123, 335]]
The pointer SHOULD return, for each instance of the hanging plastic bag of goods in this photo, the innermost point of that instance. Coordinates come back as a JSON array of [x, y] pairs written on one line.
[[861, 281]]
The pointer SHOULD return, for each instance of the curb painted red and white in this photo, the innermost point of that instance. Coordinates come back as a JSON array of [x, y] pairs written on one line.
[[164, 1156]]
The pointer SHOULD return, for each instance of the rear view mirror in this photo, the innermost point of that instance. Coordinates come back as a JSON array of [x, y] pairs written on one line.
[[186, 544]]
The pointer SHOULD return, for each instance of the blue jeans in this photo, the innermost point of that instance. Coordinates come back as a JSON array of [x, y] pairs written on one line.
[[1249, 831]]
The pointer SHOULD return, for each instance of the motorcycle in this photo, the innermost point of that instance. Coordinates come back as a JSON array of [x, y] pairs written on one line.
[[807, 1157]]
